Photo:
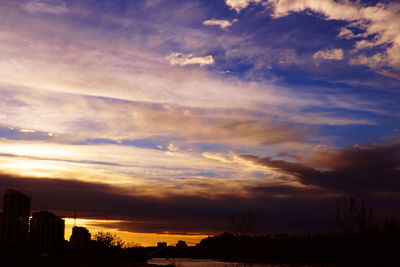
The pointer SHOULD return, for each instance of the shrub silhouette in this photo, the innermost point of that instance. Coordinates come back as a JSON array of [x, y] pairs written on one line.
[[246, 224], [108, 240], [353, 216]]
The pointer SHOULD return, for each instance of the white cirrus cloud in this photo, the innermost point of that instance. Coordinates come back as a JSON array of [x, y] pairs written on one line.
[[329, 54], [181, 59], [238, 5], [54, 7], [223, 24], [379, 26], [374, 62]]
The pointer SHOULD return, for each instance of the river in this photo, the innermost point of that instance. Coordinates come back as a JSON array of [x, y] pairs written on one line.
[[188, 262]]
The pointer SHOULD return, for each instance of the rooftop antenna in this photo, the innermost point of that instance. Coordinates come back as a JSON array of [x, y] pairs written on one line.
[[74, 217]]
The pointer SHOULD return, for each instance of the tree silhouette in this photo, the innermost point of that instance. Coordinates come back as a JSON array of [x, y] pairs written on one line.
[[353, 216], [246, 224], [108, 240]]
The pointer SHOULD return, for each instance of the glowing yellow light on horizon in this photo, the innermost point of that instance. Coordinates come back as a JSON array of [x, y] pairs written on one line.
[[34, 150], [143, 239], [35, 168], [88, 222]]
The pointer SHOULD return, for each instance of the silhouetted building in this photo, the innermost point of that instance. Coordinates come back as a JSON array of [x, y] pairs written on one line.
[[80, 236], [46, 231], [181, 244], [162, 244], [16, 212]]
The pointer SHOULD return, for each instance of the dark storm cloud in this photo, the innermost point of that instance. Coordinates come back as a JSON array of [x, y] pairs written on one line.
[[373, 169], [281, 208], [150, 214]]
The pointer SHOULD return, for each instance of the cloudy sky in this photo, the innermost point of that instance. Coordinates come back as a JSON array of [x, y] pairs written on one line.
[[158, 119]]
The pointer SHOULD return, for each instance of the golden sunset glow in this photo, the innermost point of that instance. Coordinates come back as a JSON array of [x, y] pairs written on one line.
[[130, 238]]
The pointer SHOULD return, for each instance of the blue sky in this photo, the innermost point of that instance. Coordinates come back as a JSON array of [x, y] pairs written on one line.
[[208, 101]]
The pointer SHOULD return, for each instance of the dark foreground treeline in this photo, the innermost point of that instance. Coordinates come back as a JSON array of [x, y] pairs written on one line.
[[375, 247], [358, 241]]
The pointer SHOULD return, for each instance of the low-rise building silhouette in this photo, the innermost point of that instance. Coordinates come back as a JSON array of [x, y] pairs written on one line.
[[15, 221], [46, 231], [161, 244], [181, 244], [80, 236]]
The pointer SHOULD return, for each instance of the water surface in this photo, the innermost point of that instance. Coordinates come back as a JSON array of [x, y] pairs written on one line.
[[188, 262]]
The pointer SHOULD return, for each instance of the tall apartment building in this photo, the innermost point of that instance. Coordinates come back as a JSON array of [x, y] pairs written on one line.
[[46, 231], [15, 221]]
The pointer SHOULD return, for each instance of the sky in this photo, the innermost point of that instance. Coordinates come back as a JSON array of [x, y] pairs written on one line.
[[157, 120]]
